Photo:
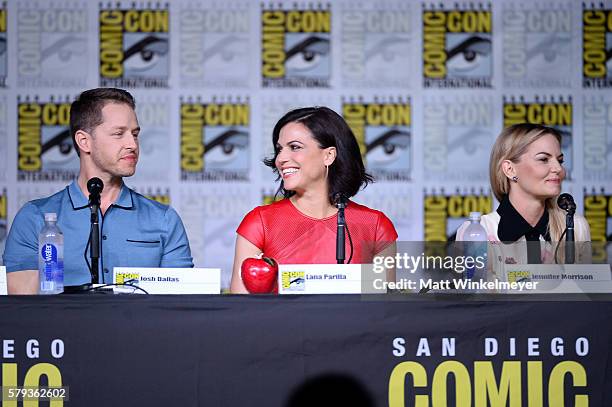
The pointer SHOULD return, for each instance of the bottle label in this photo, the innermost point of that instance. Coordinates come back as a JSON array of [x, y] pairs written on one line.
[[49, 253], [53, 267]]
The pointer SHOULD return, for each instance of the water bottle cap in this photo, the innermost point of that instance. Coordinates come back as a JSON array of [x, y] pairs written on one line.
[[474, 215], [51, 217]]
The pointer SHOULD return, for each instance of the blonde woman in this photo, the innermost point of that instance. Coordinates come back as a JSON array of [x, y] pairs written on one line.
[[526, 171]]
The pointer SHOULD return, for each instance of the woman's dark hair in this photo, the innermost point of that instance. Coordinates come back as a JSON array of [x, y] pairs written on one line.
[[347, 173]]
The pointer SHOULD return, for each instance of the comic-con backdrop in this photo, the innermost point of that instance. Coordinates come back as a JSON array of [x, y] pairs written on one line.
[[425, 86]]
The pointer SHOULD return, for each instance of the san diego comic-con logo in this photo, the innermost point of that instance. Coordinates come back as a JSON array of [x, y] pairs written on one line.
[[214, 44], [296, 46], [215, 139], [550, 111], [537, 49], [383, 128], [457, 46], [457, 139], [596, 46], [44, 147], [293, 280], [597, 138], [376, 40], [52, 49], [505, 371], [3, 45], [444, 213], [598, 212], [134, 46]]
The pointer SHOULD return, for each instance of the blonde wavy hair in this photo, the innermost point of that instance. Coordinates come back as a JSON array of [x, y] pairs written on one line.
[[510, 145]]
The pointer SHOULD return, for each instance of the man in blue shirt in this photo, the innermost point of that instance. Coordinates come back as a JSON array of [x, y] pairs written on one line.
[[134, 231]]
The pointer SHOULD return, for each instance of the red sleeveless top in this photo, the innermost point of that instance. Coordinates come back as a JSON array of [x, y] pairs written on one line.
[[282, 232]]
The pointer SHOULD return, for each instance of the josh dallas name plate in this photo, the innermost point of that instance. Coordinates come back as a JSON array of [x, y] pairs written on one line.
[[167, 280]]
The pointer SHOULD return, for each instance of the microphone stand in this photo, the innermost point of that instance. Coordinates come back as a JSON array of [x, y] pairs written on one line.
[[94, 236], [340, 256], [570, 249]]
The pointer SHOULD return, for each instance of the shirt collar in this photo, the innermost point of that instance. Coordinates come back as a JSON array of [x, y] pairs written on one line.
[[79, 201], [512, 226]]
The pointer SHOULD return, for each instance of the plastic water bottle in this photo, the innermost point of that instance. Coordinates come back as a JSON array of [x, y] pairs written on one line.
[[477, 236], [51, 257]]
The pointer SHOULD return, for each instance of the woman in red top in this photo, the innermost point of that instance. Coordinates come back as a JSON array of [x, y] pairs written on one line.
[[317, 156]]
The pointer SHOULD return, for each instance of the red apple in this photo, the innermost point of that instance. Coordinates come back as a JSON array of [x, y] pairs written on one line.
[[260, 275]]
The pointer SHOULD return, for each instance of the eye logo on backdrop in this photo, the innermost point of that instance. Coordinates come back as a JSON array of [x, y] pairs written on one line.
[[445, 213], [458, 135], [52, 39], [3, 45], [598, 212], [376, 41], [296, 47], [549, 111], [597, 138], [537, 48], [215, 140], [214, 44], [383, 128], [44, 148], [134, 46], [596, 46], [457, 46]]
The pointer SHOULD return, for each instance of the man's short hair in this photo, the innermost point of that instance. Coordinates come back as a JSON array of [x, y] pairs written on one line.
[[86, 110]]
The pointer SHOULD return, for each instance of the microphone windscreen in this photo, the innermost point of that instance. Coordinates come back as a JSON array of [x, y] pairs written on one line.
[[340, 198], [566, 201], [95, 185]]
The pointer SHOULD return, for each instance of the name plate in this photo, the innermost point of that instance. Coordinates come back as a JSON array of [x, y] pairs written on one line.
[[3, 286], [319, 279], [168, 280], [561, 278]]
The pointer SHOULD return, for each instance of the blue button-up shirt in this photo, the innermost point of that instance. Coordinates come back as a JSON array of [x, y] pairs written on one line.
[[134, 232]]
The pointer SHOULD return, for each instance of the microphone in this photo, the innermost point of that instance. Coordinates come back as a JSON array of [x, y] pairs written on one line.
[[340, 201], [95, 187], [566, 202]]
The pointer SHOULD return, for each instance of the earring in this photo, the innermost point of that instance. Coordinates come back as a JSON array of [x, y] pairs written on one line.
[[515, 178]]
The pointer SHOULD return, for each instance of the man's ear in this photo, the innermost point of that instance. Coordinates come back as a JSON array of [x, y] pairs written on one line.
[[83, 141], [330, 156]]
